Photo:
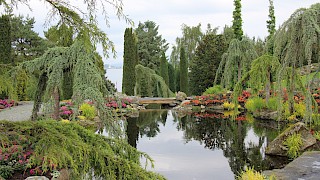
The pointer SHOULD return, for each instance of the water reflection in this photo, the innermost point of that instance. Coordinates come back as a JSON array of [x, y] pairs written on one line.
[[192, 147]]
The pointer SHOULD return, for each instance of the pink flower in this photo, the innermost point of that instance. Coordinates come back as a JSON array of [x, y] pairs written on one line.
[[32, 172], [63, 108], [67, 112]]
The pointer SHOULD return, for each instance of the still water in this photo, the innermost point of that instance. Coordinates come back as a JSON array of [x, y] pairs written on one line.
[[200, 148]]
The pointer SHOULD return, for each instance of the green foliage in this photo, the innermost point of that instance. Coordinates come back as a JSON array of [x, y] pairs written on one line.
[[214, 90], [184, 80], [294, 52], [235, 62], [5, 40], [272, 104], [293, 143], [88, 111], [271, 23], [26, 43], [255, 104], [237, 20], [6, 171], [149, 84], [191, 37], [172, 77], [164, 68], [130, 60], [251, 174], [59, 145], [260, 72], [205, 64], [150, 45], [60, 35], [84, 21]]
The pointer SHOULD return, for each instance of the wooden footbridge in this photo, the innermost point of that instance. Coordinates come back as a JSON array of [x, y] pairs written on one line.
[[157, 100]]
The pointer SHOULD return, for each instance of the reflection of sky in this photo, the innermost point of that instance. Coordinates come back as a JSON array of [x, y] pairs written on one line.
[[177, 160]]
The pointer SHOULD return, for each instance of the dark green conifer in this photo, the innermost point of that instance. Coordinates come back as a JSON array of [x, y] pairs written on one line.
[[130, 60], [5, 40], [164, 68], [183, 72], [237, 20]]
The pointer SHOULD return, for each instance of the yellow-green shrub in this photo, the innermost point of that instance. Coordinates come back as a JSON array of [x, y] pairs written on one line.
[[255, 104], [272, 104], [251, 174], [214, 90], [88, 110], [300, 109], [293, 143], [227, 105]]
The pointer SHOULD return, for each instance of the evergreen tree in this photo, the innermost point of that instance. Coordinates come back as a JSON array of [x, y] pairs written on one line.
[[172, 77], [150, 45], [150, 84], [60, 35], [84, 20], [237, 20], [26, 43], [5, 40], [235, 62], [203, 68], [177, 75], [129, 62], [271, 25], [297, 44], [164, 68], [184, 84]]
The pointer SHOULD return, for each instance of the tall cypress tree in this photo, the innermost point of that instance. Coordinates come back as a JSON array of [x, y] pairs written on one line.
[[164, 68], [5, 40], [130, 60], [172, 77], [271, 25], [237, 20], [183, 72]]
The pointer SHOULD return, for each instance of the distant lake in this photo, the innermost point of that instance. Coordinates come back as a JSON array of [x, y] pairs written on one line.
[[115, 76]]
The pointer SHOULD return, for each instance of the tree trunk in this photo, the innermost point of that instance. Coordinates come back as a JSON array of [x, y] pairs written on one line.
[[239, 70], [291, 91], [38, 96], [268, 85], [56, 97]]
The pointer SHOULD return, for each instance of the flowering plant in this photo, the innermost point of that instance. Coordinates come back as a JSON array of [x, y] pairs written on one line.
[[6, 103], [65, 110]]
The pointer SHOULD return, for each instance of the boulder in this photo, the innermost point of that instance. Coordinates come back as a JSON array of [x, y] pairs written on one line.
[[307, 166], [267, 115], [181, 96], [276, 147], [2, 106]]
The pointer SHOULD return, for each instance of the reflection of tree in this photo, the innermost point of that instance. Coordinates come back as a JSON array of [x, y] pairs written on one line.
[[146, 124], [226, 135]]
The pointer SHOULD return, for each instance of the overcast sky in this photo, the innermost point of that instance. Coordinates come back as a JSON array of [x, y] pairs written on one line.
[[171, 14]]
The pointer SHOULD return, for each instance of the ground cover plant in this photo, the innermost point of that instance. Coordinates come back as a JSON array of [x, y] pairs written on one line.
[[37, 148]]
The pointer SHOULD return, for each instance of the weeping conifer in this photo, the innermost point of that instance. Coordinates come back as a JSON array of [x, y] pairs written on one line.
[[296, 44], [149, 84], [235, 62], [88, 80], [130, 60]]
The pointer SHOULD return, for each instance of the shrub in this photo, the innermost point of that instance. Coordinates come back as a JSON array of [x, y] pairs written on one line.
[[88, 110], [6, 171], [272, 104], [214, 90], [251, 174], [227, 105], [300, 109], [293, 143], [255, 104]]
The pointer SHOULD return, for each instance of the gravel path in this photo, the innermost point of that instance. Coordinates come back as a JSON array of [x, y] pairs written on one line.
[[22, 112]]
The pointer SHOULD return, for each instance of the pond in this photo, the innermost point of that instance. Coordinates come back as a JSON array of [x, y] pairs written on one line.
[[201, 146]]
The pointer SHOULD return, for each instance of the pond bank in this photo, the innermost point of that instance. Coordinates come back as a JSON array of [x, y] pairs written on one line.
[[307, 166]]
